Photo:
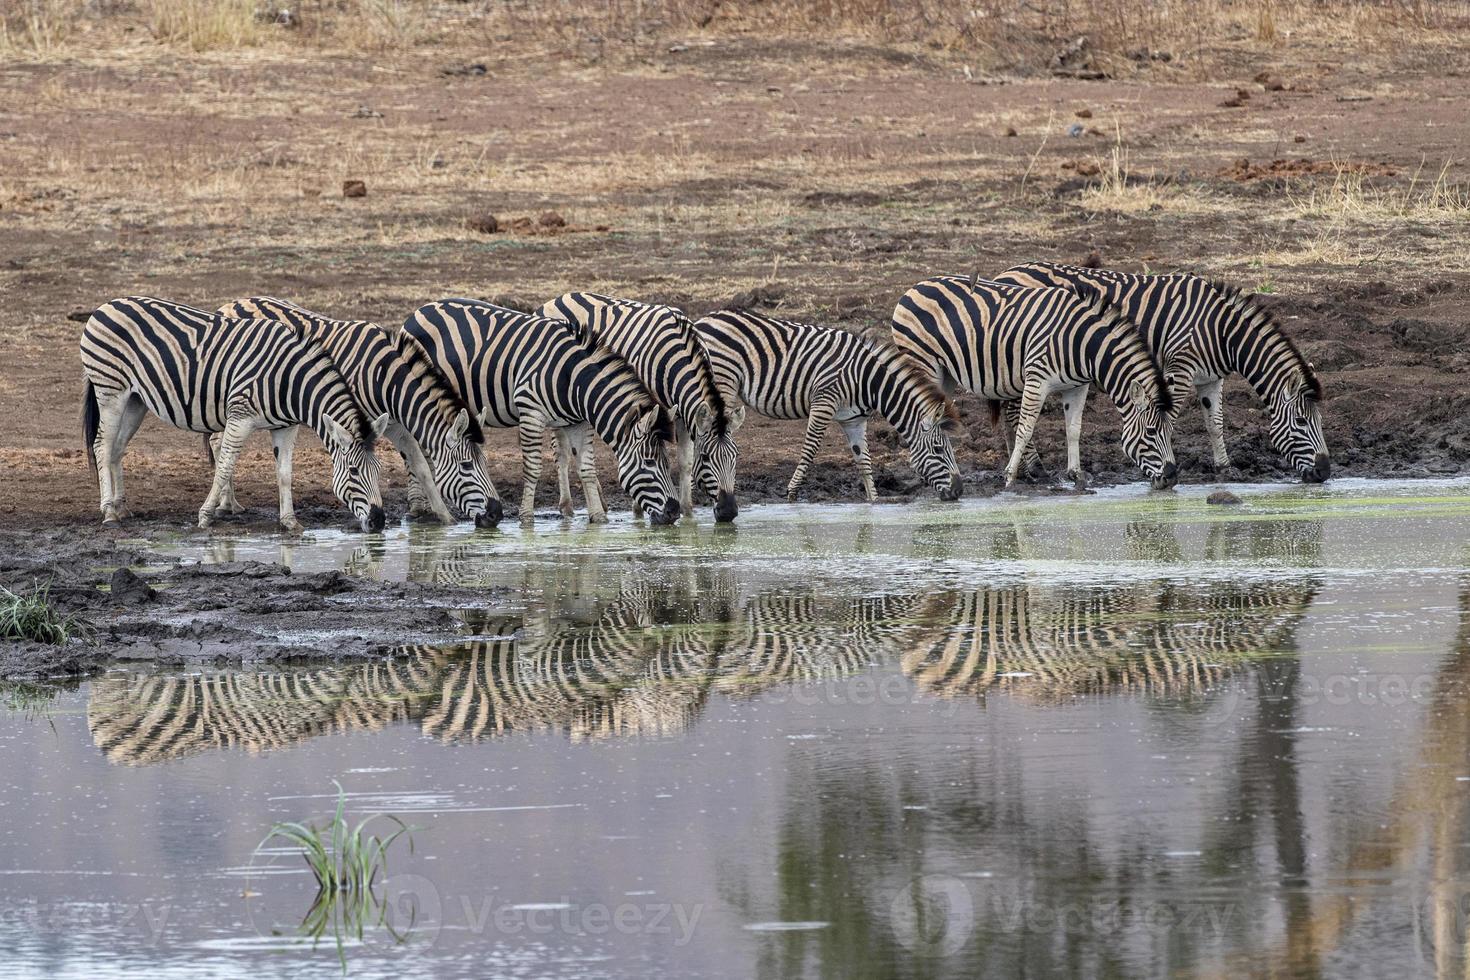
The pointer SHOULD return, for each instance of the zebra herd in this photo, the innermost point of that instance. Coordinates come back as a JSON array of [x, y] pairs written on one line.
[[640, 377]]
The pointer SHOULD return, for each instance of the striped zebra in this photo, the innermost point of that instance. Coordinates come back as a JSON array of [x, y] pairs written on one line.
[[1006, 342], [1156, 637], [661, 345], [790, 370], [518, 369], [208, 373], [431, 428], [1203, 332]]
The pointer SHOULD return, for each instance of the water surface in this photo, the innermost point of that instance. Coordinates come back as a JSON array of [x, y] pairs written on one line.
[[1124, 734]]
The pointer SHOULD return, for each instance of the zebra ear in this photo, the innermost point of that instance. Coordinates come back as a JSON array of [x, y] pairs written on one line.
[[484, 418], [736, 416], [461, 425], [338, 438], [380, 424], [1135, 393], [702, 418]]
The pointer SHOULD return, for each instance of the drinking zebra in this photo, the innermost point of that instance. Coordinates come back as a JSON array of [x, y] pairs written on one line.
[[517, 369], [790, 370], [1202, 332], [209, 373], [666, 353], [430, 426], [1006, 342]]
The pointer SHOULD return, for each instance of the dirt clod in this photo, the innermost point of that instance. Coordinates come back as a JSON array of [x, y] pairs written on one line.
[[354, 188], [1222, 498], [550, 219], [127, 589], [485, 224]]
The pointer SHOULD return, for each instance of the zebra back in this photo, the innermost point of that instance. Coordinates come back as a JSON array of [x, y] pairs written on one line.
[[191, 367], [1191, 323], [659, 343], [495, 358], [988, 336]]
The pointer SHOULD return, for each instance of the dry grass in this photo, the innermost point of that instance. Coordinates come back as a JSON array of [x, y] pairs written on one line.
[[1353, 198], [993, 35]]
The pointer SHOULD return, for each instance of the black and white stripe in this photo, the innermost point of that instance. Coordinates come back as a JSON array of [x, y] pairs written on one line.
[[209, 373], [1006, 342], [518, 369], [439, 439], [661, 345], [790, 370], [1202, 332]]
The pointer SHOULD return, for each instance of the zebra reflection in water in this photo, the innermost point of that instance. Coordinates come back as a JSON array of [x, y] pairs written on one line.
[[646, 662]]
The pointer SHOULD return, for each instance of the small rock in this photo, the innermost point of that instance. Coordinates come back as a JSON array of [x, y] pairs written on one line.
[[1084, 113], [1093, 260], [1223, 498], [367, 112], [485, 224], [1075, 130], [1271, 83], [1011, 131], [354, 188], [1086, 168], [79, 316], [550, 219], [474, 70], [129, 590], [1298, 138]]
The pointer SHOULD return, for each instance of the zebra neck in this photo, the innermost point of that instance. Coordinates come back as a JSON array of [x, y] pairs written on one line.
[[1253, 347], [887, 391], [1114, 370]]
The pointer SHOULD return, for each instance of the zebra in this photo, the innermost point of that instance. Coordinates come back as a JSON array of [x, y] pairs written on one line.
[[1153, 637], [1202, 332], [208, 373], [666, 353], [433, 430], [790, 370], [518, 369], [1005, 342]]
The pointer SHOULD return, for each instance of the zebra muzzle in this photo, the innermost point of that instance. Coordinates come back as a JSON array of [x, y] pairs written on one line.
[[725, 507], [1320, 470], [491, 515], [668, 515], [1167, 478], [955, 489], [375, 519]]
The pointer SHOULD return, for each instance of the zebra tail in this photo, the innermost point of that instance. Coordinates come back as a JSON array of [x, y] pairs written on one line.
[[91, 419], [994, 407]]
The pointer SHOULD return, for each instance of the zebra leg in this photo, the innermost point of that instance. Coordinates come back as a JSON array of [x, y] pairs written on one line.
[[530, 432], [227, 502], [564, 473], [237, 430], [1011, 418], [685, 439], [856, 431], [1209, 400], [283, 445], [580, 439], [1072, 403], [1031, 401], [109, 419], [424, 497], [816, 424], [132, 415]]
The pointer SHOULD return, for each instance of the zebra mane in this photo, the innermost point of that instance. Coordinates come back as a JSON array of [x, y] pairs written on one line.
[[442, 390], [914, 374], [1246, 307], [1112, 316]]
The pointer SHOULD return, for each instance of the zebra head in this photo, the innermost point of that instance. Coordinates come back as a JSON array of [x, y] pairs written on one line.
[[643, 465], [1296, 428], [716, 455], [931, 453], [1146, 431], [355, 467], [459, 470]]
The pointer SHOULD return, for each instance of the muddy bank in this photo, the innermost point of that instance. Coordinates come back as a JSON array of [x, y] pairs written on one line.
[[132, 604]]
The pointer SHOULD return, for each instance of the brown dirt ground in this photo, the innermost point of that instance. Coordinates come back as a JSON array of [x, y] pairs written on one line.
[[827, 177]]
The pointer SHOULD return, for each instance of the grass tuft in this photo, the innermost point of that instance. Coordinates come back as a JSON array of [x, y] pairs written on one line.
[[33, 617], [347, 861]]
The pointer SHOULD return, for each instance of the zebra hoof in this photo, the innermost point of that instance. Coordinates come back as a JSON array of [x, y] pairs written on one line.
[[204, 521], [598, 518], [292, 528], [565, 510], [111, 522]]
